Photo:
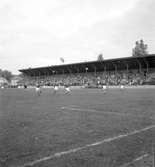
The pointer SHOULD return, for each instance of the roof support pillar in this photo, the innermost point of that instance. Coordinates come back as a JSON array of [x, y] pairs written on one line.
[[147, 65], [115, 68], [95, 70], [78, 70], [34, 75], [63, 71], [105, 68], [38, 76], [127, 68], [140, 66], [48, 74]]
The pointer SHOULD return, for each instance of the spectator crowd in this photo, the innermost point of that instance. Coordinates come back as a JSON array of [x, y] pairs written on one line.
[[133, 77]]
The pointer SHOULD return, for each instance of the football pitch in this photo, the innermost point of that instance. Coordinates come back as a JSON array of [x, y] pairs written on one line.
[[86, 128]]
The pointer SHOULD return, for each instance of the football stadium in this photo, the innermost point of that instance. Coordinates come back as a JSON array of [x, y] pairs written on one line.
[[137, 70], [88, 127]]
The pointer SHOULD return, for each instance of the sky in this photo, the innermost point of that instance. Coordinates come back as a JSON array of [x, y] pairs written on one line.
[[36, 33]]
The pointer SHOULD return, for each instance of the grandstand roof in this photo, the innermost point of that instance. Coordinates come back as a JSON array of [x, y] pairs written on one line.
[[144, 62]]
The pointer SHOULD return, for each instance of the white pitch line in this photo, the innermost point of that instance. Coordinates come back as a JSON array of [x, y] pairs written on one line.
[[135, 160], [59, 154], [79, 109], [98, 111], [141, 157]]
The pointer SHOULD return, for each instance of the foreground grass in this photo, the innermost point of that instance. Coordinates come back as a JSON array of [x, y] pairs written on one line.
[[34, 127]]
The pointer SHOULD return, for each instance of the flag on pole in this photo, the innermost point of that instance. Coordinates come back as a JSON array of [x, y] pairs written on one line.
[[62, 60]]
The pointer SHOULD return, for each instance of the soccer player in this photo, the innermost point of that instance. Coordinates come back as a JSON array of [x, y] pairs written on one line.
[[38, 90], [2, 87], [104, 88], [67, 89], [55, 89], [122, 87]]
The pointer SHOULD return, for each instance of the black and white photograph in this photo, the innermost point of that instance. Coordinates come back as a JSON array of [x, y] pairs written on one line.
[[77, 83]]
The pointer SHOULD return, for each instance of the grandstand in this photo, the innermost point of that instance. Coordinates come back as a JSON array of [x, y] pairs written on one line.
[[128, 71]]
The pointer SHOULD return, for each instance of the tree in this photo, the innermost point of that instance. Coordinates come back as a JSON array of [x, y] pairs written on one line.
[[0, 73], [6, 74], [140, 49], [100, 57]]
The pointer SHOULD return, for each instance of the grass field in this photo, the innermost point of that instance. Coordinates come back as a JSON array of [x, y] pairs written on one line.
[[87, 128]]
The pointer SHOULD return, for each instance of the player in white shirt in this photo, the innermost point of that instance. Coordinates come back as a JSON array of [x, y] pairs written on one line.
[[122, 87], [104, 88], [56, 88], [38, 90], [67, 89]]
